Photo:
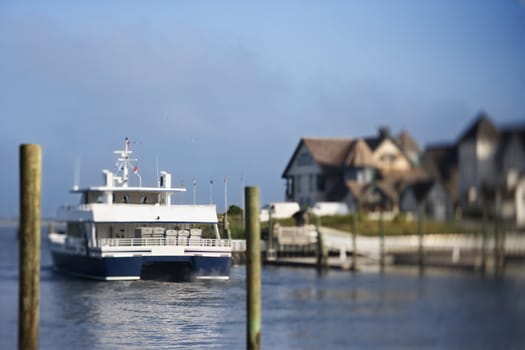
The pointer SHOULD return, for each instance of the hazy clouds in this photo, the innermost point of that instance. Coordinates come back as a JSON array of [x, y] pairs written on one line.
[[217, 95]]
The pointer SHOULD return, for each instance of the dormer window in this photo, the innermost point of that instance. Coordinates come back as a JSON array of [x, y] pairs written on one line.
[[388, 158]]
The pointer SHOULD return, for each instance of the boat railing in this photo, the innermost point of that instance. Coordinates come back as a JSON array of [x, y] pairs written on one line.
[[140, 242]]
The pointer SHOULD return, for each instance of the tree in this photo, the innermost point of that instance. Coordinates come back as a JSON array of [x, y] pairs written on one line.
[[234, 210]]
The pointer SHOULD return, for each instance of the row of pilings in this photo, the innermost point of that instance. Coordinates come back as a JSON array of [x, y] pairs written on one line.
[[486, 253]]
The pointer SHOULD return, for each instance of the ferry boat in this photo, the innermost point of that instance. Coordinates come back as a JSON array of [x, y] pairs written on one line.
[[120, 232]]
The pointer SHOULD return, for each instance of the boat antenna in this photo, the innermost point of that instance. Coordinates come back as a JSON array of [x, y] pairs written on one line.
[[194, 183], [158, 176], [211, 191], [125, 163], [76, 175]]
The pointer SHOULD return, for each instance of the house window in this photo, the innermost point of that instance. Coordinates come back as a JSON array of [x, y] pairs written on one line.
[[360, 176], [298, 184], [388, 159], [289, 187], [320, 183], [311, 183]]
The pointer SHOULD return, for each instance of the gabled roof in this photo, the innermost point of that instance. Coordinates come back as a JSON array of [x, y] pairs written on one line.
[[482, 127], [360, 190], [407, 142], [335, 153], [384, 134], [507, 134], [359, 155], [441, 162], [327, 152], [373, 142], [438, 160]]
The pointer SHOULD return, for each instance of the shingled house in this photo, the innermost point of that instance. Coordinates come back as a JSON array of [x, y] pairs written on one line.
[[492, 169], [484, 170], [367, 172], [428, 197]]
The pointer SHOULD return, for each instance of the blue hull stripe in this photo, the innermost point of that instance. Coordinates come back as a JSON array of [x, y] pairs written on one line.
[[131, 267]]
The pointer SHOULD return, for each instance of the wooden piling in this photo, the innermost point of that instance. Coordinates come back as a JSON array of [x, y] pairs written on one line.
[[381, 242], [321, 251], [421, 233], [484, 238], [29, 244], [322, 254], [270, 252], [354, 242], [503, 234], [499, 247], [253, 269]]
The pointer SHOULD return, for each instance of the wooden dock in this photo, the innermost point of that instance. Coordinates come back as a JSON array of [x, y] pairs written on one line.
[[297, 247]]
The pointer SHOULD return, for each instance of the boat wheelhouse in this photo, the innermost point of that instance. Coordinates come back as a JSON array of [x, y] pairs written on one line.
[[119, 232]]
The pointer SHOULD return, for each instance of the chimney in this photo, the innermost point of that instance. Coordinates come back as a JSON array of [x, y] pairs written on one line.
[[384, 132]]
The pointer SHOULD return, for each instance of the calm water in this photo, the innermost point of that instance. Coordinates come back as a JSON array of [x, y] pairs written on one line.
[[301, 310]]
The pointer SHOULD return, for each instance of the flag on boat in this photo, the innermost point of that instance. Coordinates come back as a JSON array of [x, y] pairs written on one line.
[[135, 169]]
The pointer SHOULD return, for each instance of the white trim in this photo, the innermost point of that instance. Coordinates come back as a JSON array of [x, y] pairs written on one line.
[[98, 278], [127, 189], [122, 278], [139, 213], [220, 278]]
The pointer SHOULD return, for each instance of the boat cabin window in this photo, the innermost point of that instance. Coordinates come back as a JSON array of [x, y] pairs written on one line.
[[76, 229], [93, 197], [135, 197], [127, 197]]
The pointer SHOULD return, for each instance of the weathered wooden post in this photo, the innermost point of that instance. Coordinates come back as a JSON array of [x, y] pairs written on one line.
[[496, 247], [421, 233], [354, 242], [322, 254], [29, 260], [503, 234], [484, 238], [381, 241], [270, 251], [499, 243], [253, 269]]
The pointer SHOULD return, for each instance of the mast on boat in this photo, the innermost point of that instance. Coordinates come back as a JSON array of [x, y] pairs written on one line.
[[124, 163]]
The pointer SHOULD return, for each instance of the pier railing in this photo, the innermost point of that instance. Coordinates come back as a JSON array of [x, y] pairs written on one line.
[[140, 242], [297, 238]]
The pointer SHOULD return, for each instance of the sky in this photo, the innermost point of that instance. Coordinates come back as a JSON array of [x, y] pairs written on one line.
[[225, 89]]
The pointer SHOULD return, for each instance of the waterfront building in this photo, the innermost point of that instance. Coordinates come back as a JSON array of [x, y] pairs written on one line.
[[482, 171], [366, 172]]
